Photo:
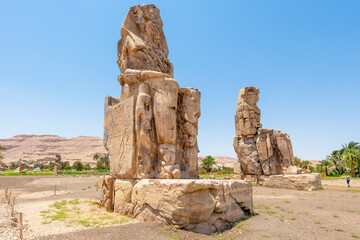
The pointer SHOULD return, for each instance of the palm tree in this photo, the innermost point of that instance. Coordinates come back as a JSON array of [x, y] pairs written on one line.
[[96, 157], [208, 162], [297, 162], [326, 164], [105, 162], [351, 152], [305, 164], [337, 158], [357, 156]]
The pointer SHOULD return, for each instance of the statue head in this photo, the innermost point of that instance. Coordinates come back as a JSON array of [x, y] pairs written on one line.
[[249, 95]]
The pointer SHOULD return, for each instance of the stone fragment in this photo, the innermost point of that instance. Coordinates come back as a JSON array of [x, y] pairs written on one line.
[[123, 191], [107, 192], [307, 182], [237, 168], [252, 178]]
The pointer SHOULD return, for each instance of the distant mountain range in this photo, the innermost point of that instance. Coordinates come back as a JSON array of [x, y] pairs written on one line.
[[40, 148], [35, 148]]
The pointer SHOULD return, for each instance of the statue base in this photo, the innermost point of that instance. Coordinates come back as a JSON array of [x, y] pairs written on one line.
[[308, 182], [198, 205]]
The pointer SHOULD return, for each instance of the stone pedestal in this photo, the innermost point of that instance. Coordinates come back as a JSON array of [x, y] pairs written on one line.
[[203, 206], [309, 182]]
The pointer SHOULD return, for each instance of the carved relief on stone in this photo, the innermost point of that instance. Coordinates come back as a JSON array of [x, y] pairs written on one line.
[[188, 115], [145, 133], [107, 192], [119, 137]]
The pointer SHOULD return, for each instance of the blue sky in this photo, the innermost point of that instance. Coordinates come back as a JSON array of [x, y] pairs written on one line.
[[58, 62]]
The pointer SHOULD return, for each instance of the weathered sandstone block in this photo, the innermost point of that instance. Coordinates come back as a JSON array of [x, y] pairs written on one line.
[[202, 206], [309, 182], [107, 192], [123, 191], [252, 178], [151, 130]]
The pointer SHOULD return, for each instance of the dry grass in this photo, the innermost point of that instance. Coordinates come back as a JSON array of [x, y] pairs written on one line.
[[86, 213]]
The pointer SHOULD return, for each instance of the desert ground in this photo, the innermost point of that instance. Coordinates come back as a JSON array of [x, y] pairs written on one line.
[[330, 213]]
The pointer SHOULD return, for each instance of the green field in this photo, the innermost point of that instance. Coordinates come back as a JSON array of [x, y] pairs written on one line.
[[49, 173]]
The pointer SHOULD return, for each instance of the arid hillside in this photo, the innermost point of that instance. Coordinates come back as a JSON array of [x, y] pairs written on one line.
[[39, 147]]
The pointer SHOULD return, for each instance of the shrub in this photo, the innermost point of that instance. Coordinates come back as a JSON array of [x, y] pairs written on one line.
[[87, 167], [78, 166]]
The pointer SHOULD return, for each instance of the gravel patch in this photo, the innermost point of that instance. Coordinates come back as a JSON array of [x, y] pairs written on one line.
[[10, 227]]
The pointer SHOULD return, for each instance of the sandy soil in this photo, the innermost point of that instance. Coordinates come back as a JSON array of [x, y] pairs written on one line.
[[332, 213]]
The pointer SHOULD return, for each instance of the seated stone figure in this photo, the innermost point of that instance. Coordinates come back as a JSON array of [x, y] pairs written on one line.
[[261, 151], [151, 130]]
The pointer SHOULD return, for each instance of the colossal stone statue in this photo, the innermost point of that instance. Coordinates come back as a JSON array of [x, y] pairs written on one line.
[[261, 151], [151, 130], [151, 133]]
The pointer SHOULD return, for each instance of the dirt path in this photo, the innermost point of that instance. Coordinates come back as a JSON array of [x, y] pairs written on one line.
[[332, 213]]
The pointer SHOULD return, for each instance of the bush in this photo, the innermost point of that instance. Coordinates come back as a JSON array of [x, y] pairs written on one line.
[[87, 167], [103, 163], [78, 166], [14, 166], [65, 164], [50, 166]]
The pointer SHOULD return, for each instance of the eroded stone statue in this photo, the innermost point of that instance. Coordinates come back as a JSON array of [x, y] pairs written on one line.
[[57, 167], [22, 164], [151, 130], [261, 151]]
